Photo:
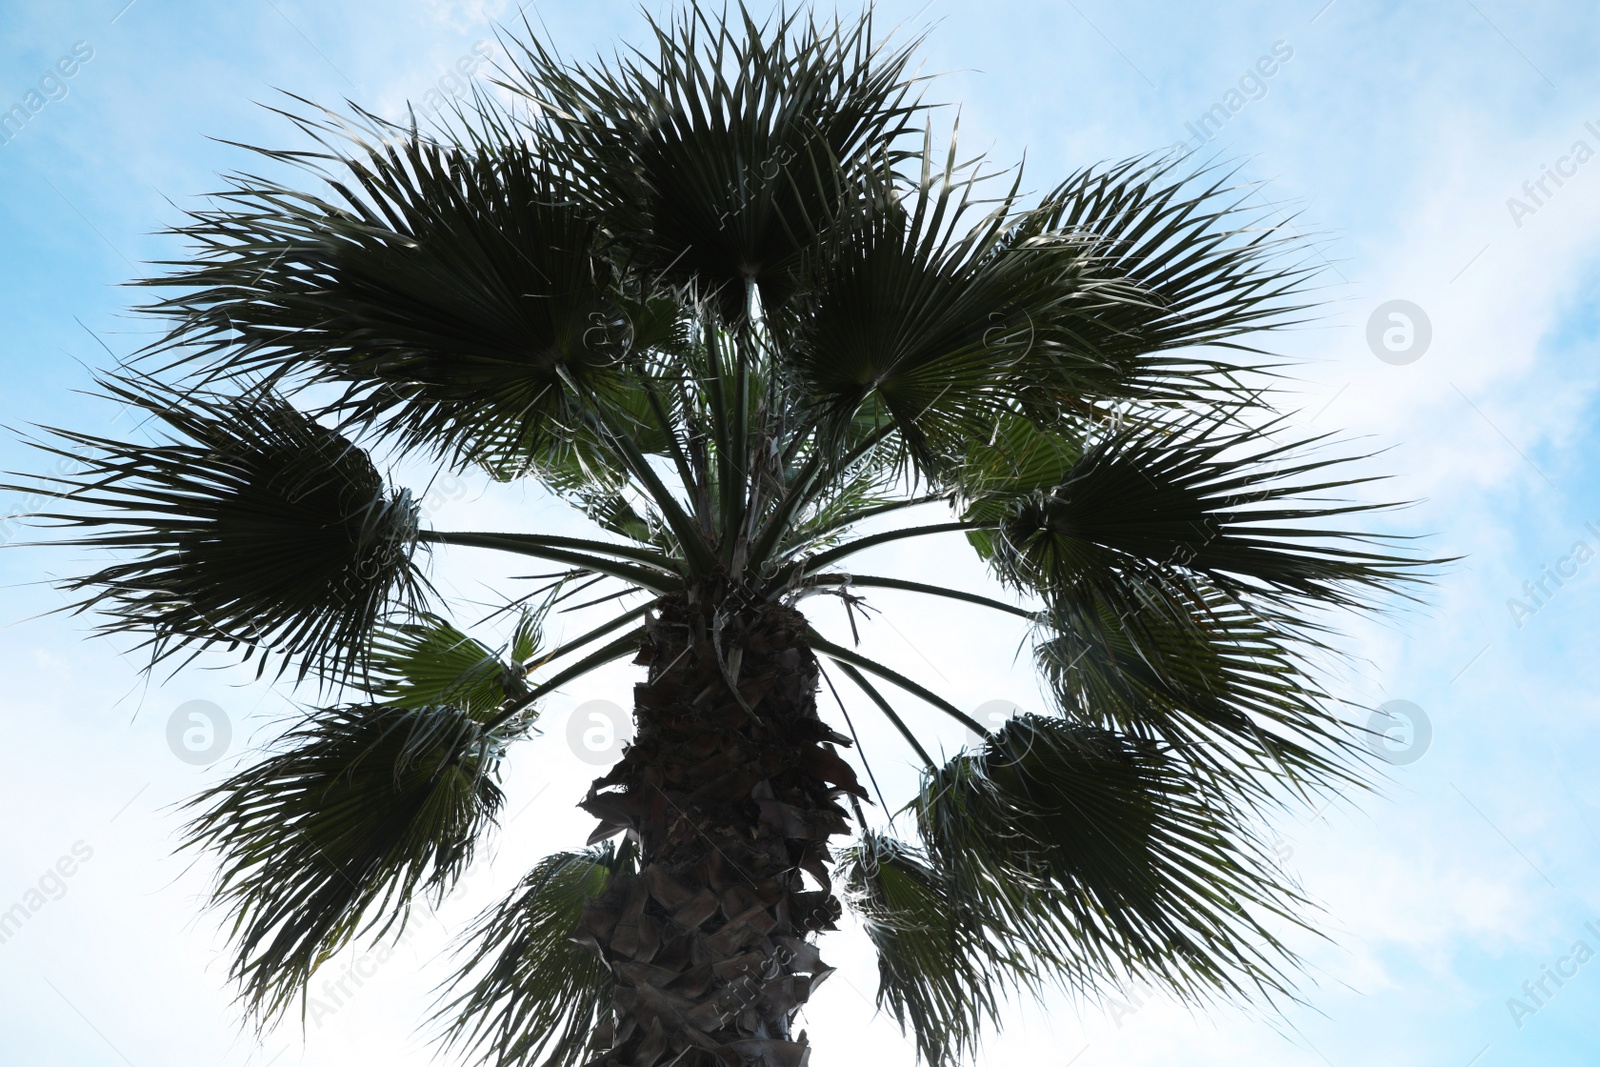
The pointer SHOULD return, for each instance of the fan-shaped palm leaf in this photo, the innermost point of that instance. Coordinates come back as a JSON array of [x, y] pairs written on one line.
[[453, 293], [364, 807], [941, 972], [430, 663], [1226, 504], [249, 524], [1064, 855], [718, 161], [530, 993]]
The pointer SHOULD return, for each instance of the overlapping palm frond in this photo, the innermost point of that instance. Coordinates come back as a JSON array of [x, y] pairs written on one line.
[[1015, 459], [428, 662], [528, 992], [718, 160], [363, 808], [1053, 311], [942, 972], [1225, 503], [1185, 569], [1067, 856], [453, 294], [1229, 689], [1119, 861], [245, 524], [1199, 265]]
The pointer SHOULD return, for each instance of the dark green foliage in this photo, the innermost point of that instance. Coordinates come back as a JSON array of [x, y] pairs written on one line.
[[718, 162], [452, 293], [1226, 505], [942, 969], [1191, 247], [245, 524], [925, 316], [365, 807], [530, 994], [1062, 855], [1096, 849], [1231, 691], [430, 663], [1184, 568]]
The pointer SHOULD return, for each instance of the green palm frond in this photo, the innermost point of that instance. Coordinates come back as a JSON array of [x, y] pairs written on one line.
[[529, 992], [1232, 691], [1068, 856], [582, 468], [941, 970], [719, 159], [1198, 265], [452, 294], [1248, 515], [860, 490], [430, 663], [1054, 310], [247, 524], [1016, 458], [919, 308], [1099, 846], [1183, 567], [363, 808]]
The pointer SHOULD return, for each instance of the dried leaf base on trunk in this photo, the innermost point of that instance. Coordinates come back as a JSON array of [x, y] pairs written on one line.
[[729, 791]]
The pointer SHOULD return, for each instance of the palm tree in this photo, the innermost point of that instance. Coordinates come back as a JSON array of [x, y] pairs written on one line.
[[725, 297]]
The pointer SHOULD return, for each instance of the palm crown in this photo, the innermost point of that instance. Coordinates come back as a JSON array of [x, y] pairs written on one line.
[[725, 297]]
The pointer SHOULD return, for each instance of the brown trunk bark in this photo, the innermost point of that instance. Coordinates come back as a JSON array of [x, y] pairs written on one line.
[[729, 791]]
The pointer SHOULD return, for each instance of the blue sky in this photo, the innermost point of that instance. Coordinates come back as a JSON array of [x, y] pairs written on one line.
[[1391, 136]]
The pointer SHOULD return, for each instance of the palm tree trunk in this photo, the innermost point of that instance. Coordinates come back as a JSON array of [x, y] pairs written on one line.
[[729, 793]]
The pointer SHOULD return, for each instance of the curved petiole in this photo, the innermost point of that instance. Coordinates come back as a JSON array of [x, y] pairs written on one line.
[[883, 706], [813, 564], [651, 578], [872, 581], [843, 656]]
